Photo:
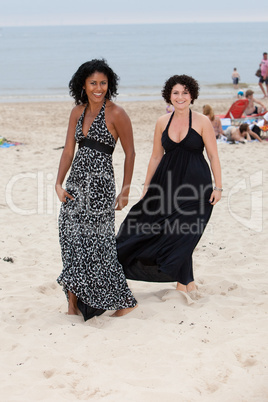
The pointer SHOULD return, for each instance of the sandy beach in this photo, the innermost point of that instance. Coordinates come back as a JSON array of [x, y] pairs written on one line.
[[207, 346]]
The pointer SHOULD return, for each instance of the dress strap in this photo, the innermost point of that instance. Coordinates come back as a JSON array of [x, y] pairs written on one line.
[[190, 119], [102, 111], [83, 113], [171, 117]]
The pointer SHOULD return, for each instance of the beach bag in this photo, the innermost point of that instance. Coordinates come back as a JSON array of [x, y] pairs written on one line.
[[258, 73]]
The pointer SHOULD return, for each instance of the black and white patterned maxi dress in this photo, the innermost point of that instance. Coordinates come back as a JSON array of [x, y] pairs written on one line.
[[87, 226]]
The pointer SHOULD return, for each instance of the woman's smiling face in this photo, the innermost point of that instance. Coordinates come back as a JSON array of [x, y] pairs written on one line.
[[180, 97], [96, 87]]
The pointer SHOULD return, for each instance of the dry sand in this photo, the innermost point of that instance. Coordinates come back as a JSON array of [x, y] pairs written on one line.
[[208, 346]]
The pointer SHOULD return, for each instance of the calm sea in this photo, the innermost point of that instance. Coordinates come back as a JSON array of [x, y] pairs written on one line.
[[38, 62]]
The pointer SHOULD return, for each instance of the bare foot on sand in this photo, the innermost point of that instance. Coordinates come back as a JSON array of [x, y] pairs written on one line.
[[72, 306], [123, 311], [191, 287], [73, 311], [181, 287], [186, 288]]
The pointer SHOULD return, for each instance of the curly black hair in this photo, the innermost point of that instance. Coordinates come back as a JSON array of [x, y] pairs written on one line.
[[84, 71], [187, 81]]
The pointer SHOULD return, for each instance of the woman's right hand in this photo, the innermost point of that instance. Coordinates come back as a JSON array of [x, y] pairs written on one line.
[[62, 194]]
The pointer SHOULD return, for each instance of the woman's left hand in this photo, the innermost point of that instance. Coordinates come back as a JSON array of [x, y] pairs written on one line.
[[121, 201], [215, 197]]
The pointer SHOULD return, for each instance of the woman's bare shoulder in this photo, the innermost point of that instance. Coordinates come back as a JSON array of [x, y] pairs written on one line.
[[162, 121], [200, 118], [198, 115], [77, 111], [114, 109]]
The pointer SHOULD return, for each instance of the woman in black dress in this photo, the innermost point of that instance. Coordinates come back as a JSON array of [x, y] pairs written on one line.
[[92, 277], [156, 240]]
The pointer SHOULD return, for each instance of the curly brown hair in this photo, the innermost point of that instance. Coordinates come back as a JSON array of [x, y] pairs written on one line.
[[187, 81]]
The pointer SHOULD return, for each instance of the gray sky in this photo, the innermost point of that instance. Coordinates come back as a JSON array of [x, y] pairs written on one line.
[[88, 12]]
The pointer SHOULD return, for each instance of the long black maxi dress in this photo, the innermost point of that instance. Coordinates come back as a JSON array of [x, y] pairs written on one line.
[[87, 226], [156, 240]]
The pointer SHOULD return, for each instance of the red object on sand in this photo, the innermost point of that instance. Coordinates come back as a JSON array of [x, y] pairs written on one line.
[[237, 109], [257, 115]]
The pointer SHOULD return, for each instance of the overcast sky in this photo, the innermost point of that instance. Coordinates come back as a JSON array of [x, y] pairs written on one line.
[[89, 12]]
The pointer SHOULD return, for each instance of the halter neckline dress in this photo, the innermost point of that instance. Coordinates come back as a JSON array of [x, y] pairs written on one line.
[[87, 225], [156, 240]]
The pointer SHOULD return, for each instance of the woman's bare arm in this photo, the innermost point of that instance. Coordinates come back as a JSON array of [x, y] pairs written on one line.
[[67, 156]]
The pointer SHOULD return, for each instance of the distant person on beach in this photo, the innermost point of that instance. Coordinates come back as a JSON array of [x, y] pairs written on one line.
[[92, 277], [241, 133], [215, 121], [251, 108], [263, 121], [257, 127], [157, 238], [264, 75], [240, 95], [235, 78]]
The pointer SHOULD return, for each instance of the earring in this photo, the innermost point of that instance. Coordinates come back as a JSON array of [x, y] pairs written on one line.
[[109, 94], [82, 93]]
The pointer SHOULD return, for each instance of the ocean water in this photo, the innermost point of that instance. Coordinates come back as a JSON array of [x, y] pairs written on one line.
[[38, 62]]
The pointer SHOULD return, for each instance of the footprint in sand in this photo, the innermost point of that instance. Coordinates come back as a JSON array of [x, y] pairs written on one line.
[[178, 295], [47, 289], [48, 373]]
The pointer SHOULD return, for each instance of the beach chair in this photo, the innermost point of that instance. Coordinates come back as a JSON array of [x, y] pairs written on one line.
[[237, 109]]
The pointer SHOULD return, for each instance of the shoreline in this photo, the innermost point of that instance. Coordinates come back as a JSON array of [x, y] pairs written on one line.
[[210, 92]]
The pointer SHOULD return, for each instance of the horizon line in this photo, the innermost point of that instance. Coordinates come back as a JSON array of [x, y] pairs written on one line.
[[129, 23]]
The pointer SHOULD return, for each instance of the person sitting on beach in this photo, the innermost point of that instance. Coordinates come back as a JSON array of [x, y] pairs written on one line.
[[235, 78], [263, 121], [215, 121], [241, 134], [260, 125], [251, 108]]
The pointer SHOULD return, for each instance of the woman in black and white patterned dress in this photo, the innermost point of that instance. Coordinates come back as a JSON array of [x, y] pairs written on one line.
[[92, 277]]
